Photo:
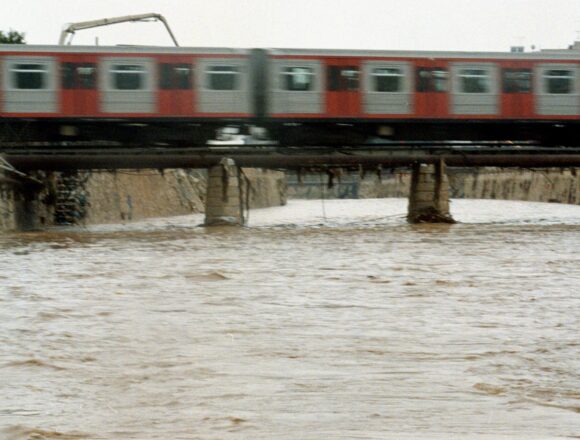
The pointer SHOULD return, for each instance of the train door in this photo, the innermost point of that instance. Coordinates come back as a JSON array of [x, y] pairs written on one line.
[[517, 99], [176, 95], [342, 88], [431, 90], [79, 86]]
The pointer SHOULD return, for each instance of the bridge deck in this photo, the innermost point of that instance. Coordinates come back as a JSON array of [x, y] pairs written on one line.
[[99, 156]]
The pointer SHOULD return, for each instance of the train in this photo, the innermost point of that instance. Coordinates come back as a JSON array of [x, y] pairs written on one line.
[[165, 96]]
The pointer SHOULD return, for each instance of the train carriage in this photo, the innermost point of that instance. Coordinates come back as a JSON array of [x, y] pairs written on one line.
[[181, 96], [126, 94], [424, 95]]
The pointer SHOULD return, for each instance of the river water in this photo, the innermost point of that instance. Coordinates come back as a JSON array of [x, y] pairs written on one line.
[[321, 320]]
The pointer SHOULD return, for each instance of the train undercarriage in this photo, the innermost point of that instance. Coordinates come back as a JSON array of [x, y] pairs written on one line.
[[188, 133]]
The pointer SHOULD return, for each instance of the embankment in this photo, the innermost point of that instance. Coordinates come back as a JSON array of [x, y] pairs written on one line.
[[87, 198], [550, 185]]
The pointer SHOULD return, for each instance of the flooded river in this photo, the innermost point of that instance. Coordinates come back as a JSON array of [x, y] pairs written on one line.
[[321, 320]]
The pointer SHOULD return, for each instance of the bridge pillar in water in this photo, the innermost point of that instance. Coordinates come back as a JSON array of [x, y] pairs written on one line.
[[224, 204], [429, 195]]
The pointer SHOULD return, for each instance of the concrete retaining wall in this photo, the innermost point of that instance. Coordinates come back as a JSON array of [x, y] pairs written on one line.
[[134, 195], [553, 185], [558, 186], [128, 195], [7, 210], [111, 197]]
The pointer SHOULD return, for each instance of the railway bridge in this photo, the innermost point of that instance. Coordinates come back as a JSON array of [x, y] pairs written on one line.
[[429, 195]]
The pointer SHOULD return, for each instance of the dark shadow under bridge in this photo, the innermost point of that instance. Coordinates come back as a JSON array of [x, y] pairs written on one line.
[[60, 157]]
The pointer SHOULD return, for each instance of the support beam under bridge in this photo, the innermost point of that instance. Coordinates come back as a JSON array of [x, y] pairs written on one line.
[[64, 158]]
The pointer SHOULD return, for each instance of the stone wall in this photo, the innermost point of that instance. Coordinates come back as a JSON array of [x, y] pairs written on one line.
[[122, 196], [7, 209], [127, 195], [133, 195], [558, 186], [22, 201], [267, 188], [349, 185], [551, 185]]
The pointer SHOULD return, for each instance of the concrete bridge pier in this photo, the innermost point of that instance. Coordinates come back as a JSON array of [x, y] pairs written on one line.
[[224, 204], [429, 195]]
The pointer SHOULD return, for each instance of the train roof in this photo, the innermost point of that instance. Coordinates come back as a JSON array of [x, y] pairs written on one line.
[[551, 55], [129, 49], [122, 49]]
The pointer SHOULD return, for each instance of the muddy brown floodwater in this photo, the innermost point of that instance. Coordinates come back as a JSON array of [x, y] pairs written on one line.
[[322, 320]]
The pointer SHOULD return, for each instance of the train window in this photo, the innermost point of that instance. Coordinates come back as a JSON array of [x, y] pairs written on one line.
[[431, 79], [439, 80], [342, 78], [175, 76], [297, 79], [387, 79], [559, 82], [474, 81], [79, 75], [222, 77], [517, 80], [30, 76], [128, 77]]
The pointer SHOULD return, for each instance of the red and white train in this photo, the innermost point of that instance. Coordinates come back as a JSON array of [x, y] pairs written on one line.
[[180, 96]]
